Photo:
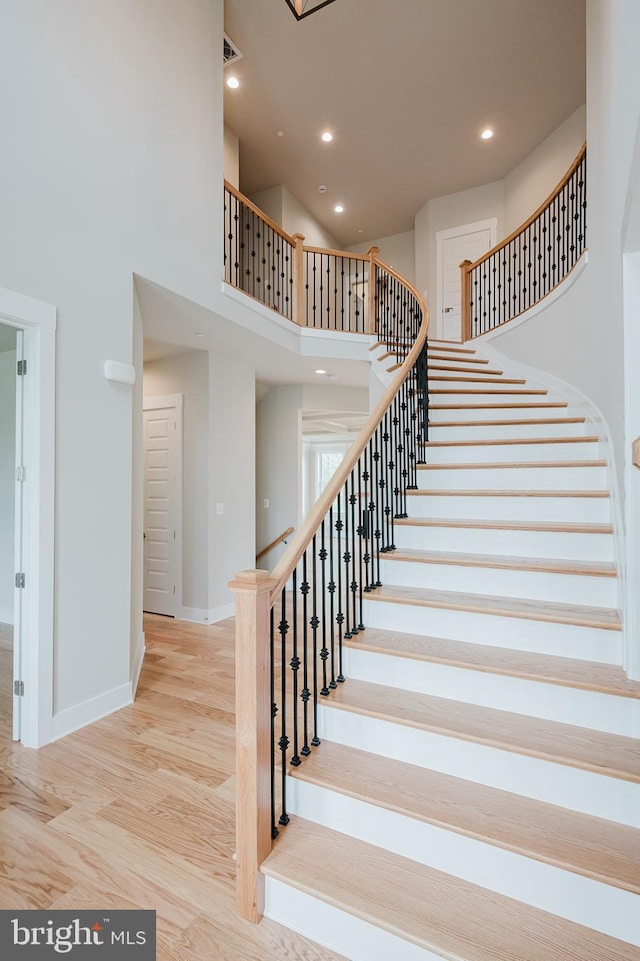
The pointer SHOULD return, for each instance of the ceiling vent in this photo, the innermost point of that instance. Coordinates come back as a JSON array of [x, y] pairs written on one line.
[[230, 51]]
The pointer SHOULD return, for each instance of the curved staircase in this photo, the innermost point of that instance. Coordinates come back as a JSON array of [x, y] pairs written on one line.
[[477, 792]]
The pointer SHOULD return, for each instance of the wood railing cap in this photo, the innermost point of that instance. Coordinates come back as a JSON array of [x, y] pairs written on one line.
[[253, 580]]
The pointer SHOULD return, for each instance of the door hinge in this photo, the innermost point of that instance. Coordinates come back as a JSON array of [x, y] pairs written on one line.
[[21, 474], [22, 368], [18, 688], [20, 580]]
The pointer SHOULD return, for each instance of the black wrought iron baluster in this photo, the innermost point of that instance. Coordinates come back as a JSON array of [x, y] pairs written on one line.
[[335, 294], [396, 447], [294, 664], [332, 601], [315, 740], [353, 586], [321, 275], [283, 743], [324, 651], [274, 712], [306, 694], [370, 507], [346, 557], [340, 614], [361, 469], [328, 307], [315, 288]]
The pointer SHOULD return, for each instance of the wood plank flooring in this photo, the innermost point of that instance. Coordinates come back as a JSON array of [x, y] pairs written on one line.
[[138, 810]]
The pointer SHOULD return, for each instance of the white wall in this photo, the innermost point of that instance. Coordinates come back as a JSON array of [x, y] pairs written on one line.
[[530, 183], [270, 203], [112, 163], [277, 465], [296, 219], [454, 210], [397, 251], [232, 478], [188, 374], [137, 496], [278, 453], [7, 481], [231, 158]]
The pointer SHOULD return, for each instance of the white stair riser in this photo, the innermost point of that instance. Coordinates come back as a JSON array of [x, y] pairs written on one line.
[[543, 637], [568, 787], [490, 453], [497, 431], [552, 702], [347, 935], [498, 395], [440, 378], [513, 478], [504, 508], [478, 412], [534, 585], [552, 544], [454, 368], [561, 892]]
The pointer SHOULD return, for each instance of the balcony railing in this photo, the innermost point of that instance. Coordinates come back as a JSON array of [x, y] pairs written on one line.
[[525, 267]]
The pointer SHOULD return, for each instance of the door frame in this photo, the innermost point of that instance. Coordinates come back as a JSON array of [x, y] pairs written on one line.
[[490, 224], [169, 402], [37, 320]]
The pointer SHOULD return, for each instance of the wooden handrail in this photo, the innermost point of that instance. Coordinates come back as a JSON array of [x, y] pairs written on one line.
[[335, 253], [275, 542], [267, 220], [543, 206], [299, 544]]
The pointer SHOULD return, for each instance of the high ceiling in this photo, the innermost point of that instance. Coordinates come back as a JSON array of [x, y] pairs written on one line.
[[405, 86]]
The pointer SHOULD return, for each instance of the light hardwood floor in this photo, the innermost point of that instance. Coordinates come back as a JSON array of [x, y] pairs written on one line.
[[138, 809]]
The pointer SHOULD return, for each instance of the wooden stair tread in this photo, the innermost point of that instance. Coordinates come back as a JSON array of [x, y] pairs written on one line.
[[577, 747], [464, 390], [454, 919], [502, 562], [489, 465], [512, 441], [560, 527], [475, 380], [514, 405], [505, 493], [506, 423], [466, 370], [556, 612], [437, 353], [546, 668], [590, 846]]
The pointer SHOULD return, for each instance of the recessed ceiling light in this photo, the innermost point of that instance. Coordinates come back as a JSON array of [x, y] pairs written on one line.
[[487, 134], [339, 209], [360, 230], [322, 188], [280, 133], [320, 371], [233, 82], [199, 333], [327, 136]]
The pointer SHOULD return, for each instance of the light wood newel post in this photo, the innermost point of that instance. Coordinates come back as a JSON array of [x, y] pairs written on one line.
[[465, 295], [372, 253], [298, 280], [253, 738]]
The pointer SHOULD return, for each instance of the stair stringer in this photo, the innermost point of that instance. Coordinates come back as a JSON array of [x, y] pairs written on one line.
[[561, 390]]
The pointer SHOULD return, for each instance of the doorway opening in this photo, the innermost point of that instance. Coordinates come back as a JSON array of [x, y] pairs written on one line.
[[467, 242], [28, 439]]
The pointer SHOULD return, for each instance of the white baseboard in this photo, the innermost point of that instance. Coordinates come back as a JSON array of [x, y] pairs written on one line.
[[93, 709], [137, 664], [200, 616], [6, 615]]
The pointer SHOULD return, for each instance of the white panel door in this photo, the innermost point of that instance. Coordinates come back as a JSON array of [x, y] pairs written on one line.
[[454, 246], [19, 559], [162, 462]]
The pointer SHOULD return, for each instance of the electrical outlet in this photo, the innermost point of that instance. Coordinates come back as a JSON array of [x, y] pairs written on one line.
[[266, 502], [219, 508]]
